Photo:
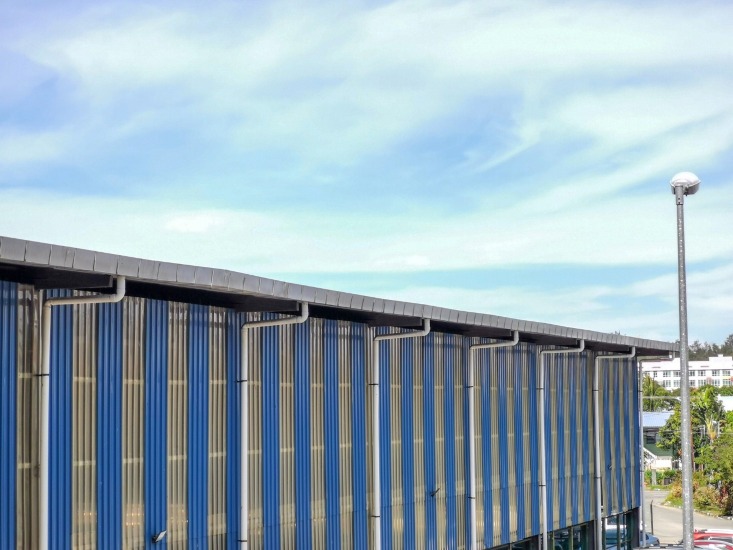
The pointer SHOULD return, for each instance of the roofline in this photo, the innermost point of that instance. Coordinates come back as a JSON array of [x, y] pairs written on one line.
[[47, 262]]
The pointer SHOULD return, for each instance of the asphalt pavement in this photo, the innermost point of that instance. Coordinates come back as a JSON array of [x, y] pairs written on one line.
[[666, 522]]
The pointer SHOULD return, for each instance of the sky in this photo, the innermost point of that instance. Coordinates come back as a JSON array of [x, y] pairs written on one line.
[[511, 158]]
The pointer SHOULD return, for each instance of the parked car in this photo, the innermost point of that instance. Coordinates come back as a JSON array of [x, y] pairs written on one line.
[[612, 531], [714, 544], [717, 534]]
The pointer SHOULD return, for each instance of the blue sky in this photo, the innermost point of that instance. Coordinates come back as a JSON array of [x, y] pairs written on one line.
[[503, 157]]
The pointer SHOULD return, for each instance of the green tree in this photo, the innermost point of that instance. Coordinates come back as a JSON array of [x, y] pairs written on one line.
[[651, 388], [707, 415]]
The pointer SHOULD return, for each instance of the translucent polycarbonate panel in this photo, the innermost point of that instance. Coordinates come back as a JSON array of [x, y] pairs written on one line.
[[28, 428], [177, 535], [481, 418], [346, 487], [505, 358], [459, 401], [133, 414], [318, 463], [84, 428], [217, 497]]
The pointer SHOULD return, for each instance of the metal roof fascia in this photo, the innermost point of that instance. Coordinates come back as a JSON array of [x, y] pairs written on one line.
[[61, 256], [38, 253], [12, 249]]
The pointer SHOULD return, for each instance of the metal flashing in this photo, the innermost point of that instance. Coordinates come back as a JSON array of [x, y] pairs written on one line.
[[41, 261]]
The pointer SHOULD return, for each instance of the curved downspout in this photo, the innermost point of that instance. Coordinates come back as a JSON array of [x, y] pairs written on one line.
[[543, 434], [374, 391], [45, 375], [244, 414], [597, 438], [640, 367], [471, 427]]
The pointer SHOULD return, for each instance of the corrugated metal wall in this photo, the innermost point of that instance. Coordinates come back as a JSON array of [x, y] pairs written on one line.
[[145, 432]]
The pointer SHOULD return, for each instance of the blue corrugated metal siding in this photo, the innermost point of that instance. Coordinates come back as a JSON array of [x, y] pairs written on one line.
[[636, 487], [617, 420], [331, 421], [431, 525], [156, 420], [485, 377], [408, 439], [628, 430], [198, 425], [358, 419], [560, 381], [531, 359], [588, 485], [450, 438], [503, 376], [303, 511], [109, 426], [271, 436], [60, 425], [385, 444], [574, 471], [8, 414], [520, 375]]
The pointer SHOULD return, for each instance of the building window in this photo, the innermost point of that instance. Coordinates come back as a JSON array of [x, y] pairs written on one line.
[[666, 383], [716, 382], [715, 373], [726, 373], [726, 381], [676, 383], [655, 373], [666, 374], [692, 383], [676, 374]]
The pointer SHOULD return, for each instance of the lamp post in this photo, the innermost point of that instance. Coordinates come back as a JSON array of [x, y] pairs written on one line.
[[684, 183]]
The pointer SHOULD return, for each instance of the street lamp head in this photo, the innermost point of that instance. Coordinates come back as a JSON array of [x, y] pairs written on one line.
[[687, 180]]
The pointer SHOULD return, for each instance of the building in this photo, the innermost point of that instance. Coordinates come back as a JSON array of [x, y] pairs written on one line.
[[715, 371], [171, 418], [655, 457]]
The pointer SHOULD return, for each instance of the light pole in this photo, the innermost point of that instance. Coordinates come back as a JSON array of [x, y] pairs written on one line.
[[684, 183]]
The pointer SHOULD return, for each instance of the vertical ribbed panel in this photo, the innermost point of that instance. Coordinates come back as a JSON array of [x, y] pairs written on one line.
[[133, 424], [8, 404], [271, 436], [318, 470], [234, 445], [302, 378], [216, 528], [345, 428], [177, 470], [395, 442], [60, 470], [432, 488], [506, 424], [559, 381], [358, 371], [530, 356], [461, 413], [85, 479], [573, 471], [29, 416], [198, 424], [385, 443], [635, 488], [156, 419], [585, 391], [287, 438], [418, 426], [109, 424], [256, 490], [449, 364], [520, 375], [331, 429], [408, 443], [441, 445], [487, 411], [550, 457]]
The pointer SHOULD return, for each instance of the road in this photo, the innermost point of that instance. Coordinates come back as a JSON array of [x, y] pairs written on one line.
[[668, 521]]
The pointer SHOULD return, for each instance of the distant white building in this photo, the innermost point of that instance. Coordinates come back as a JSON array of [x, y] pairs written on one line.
[[714, 371]]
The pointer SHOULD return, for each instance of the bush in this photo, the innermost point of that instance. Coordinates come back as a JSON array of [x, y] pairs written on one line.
[[705, 497]]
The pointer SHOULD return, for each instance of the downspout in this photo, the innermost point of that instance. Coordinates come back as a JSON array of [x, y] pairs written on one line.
[[244, 414], [597, 438], [374, 391], [640, 367], [45, 375], [543, 435], [471, 427]]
